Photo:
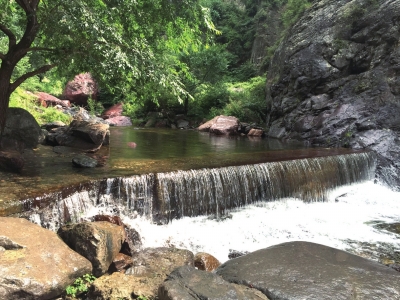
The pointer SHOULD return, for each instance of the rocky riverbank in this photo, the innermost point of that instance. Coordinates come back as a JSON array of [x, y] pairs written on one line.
[[37, 264]]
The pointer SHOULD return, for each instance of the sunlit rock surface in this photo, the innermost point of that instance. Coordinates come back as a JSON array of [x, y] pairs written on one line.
[[150, 268], [99, 242], [35, 264], [303, 270], [221, 125]]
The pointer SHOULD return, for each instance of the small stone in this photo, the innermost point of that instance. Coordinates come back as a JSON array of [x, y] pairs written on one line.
[[206, 262], [84, 162]]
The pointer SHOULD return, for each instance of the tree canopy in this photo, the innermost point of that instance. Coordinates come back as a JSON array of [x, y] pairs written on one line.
[[123, 43]]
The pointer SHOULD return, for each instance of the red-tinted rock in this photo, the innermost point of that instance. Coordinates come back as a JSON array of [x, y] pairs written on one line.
[[119, 121], [80, 89], [113, 111], [221, 125], [111, 219], [48, 100], [225, 125], [206, 262], [206, 126], [120, 263], [256, 132]]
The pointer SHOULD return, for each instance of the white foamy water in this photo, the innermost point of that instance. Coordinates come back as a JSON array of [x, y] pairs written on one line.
[[258, 226]]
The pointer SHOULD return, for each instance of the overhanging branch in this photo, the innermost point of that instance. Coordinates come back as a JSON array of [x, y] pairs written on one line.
[[12, 39], [40, 49], [24, 77]]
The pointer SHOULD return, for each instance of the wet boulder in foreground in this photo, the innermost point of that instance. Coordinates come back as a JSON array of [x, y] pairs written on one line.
[[190, 284], [34, 262], [99, 242], [303, 270]]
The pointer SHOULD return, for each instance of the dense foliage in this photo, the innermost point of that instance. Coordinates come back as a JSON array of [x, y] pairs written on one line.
[[149, 54], [125, 44]]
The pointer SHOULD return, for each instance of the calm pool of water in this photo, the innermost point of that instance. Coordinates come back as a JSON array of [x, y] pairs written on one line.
[[154, 151]]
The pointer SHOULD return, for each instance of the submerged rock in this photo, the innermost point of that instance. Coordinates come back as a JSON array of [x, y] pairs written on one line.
[[83, 161], [11, 161], [35, 263], [303, 270]]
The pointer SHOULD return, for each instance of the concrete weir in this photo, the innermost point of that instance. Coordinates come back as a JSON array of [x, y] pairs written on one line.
[[162, 197]]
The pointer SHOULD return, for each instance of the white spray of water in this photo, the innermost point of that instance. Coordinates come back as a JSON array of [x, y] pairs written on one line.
[[258, 226]]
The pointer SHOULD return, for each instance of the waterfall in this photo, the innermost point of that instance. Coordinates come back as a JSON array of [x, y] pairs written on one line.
[[162, 197]]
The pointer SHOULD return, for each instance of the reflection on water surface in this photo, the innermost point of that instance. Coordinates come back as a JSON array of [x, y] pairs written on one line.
[[155, 151]]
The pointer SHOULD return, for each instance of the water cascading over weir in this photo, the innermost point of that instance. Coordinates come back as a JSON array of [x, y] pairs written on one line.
[[162, 197]]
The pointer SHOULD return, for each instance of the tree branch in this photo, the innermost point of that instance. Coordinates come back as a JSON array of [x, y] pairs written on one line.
[[12, 39], [24, 77], [40, 49]]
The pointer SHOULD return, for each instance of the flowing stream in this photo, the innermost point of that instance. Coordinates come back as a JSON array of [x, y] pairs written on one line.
[[347, 220], [215, 194]]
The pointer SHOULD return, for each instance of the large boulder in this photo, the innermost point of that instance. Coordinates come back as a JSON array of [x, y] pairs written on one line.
[[150, 268], [35, 263], [113, 111], [221, 125], [80, 89], [187, 283], [99, 242], [80, 134], [96, 133], [303, 270], [119, 121], [22, 127], [334, 80]]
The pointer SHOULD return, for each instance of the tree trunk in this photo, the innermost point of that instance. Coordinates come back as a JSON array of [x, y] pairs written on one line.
[[5, 77], [186, 105]]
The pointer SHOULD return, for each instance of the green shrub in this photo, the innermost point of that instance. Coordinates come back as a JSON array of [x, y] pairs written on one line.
[[94, 107], [293, 11], [80, 285], [23, 99], [247, 100]]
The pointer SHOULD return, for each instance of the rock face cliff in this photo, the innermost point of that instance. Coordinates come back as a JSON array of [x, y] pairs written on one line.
[[335, 80]]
